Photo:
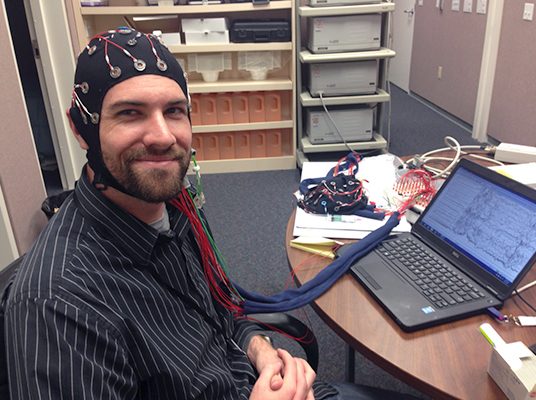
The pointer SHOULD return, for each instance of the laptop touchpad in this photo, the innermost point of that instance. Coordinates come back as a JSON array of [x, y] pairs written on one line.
[[379, 275]]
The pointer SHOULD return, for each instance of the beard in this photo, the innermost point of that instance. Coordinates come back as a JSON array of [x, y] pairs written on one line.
[[152, 185]]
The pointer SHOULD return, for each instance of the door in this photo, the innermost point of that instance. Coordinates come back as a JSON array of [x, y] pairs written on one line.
[[402, 42]]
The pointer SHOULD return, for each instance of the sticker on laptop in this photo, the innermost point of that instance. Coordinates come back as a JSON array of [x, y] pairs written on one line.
[[427, 310]]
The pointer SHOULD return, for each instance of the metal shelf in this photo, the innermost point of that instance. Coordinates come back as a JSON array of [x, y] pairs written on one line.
[[384, 6], [381, 96], [307, 57], [377, 142]]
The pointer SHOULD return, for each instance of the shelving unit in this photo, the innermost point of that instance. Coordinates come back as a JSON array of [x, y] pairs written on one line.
[[380, 97], [92, 20]]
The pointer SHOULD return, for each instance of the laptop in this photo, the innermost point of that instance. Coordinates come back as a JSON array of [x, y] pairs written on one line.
[[467, 252]]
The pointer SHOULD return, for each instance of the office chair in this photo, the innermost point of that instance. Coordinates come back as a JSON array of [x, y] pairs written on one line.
[[5, 276]]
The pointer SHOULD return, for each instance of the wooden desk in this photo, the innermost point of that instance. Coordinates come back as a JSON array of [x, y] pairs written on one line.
[[445, 362]]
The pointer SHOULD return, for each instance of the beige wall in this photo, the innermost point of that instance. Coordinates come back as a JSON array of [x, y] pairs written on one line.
[[20, 173], [454, 41], [512, 117]]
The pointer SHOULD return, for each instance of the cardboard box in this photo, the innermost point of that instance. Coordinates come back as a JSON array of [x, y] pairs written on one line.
[[513, 367]]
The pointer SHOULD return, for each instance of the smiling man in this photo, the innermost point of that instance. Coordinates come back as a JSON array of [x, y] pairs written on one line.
[[112, 300]]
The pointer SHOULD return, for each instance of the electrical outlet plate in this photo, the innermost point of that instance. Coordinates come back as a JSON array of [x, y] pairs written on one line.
[[481, 6], [528, 11], [468, 6], [455, 5]]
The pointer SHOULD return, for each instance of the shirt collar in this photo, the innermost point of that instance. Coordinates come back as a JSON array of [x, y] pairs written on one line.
[[135, 236]]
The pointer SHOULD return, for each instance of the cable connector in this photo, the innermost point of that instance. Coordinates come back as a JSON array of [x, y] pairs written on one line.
[[495, 313], [490, 149], [417, 162]]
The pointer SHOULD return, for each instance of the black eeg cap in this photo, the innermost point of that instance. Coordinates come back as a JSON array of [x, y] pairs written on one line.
[[110, 58]]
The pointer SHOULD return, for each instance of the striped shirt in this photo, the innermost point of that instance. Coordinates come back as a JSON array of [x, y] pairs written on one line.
[[106, 307]]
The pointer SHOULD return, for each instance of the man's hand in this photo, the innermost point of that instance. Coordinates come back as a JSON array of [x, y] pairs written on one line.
[[261, 353], [286, 379]]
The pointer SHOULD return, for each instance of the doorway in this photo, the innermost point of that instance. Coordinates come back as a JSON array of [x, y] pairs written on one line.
[[402, 43], [26, 54]]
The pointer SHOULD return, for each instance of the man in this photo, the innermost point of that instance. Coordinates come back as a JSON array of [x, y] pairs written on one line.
[[112, 301]]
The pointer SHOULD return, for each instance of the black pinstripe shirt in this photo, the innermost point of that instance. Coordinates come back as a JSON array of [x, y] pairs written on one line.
[[105, 307]]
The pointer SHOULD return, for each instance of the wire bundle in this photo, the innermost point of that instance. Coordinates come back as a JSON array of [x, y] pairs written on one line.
[[214, 266], [453, 145], [417, 187]]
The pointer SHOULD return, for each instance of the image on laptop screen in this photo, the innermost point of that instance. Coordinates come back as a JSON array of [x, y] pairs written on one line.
[[491, 225]]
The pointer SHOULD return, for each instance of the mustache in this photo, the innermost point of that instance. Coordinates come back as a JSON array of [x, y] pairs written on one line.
[[135, 154]]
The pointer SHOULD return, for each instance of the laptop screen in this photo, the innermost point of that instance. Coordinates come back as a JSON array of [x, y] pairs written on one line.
[[490, 224]]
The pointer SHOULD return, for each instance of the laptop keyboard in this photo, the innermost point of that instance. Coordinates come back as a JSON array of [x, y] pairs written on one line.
[[439, 282]]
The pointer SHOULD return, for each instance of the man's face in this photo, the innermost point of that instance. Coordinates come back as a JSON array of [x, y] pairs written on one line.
[[145, 136]]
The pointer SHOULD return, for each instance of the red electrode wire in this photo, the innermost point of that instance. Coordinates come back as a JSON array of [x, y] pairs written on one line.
[[214, 274]]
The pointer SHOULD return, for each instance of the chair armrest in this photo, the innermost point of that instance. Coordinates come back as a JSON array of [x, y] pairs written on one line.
[[292, 327]]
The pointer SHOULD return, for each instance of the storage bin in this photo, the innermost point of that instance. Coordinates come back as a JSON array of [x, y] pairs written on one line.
[[258, 144], [211, 146], [240, 108], [227, 146], [197, 145], [256, 105], [273, 143], [272, 104], [242, 144], [224, 106], [208, 112], [195, 114]]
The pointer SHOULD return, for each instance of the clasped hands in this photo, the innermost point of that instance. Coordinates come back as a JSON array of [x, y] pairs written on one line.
[[281, 376]]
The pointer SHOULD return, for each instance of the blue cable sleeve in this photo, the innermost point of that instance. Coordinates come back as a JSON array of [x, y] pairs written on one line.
[[295, 298]]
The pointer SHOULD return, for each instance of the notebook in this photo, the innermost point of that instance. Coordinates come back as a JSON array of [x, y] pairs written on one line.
[[478, 237]]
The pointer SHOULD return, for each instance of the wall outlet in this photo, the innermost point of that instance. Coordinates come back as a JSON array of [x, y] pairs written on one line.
[[468, 6], [439, 72], [528, 11], [455, 5], [481, 6]]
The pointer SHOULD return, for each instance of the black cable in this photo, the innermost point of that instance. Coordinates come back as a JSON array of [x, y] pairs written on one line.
[[524, 301]]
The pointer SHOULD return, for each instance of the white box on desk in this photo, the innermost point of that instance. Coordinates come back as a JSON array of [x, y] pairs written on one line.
[[513, 367]]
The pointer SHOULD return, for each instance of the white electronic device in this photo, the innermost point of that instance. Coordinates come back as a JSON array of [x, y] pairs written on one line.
[[515, 153], [344, 33], [343, 78], [354, 124], [328, 3]]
